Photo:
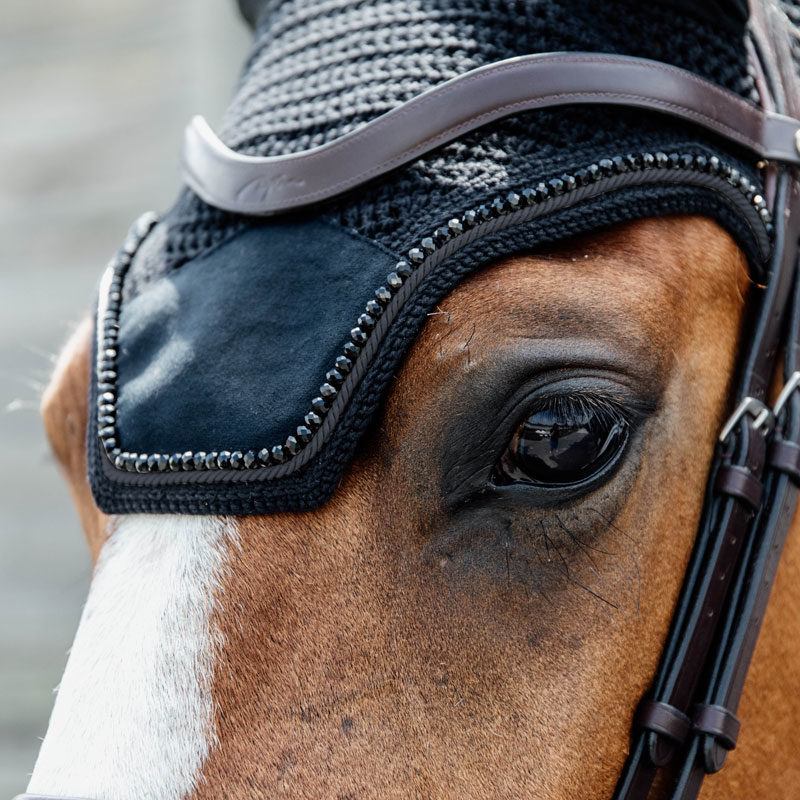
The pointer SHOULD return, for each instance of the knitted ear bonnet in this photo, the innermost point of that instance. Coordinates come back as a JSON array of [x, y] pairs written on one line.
[[239, 358]]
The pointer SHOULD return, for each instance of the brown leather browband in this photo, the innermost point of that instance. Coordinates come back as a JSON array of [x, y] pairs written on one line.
[[269, 185], [687, 721]]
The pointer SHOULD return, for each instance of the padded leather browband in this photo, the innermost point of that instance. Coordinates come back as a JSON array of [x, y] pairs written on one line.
[[267, 185]]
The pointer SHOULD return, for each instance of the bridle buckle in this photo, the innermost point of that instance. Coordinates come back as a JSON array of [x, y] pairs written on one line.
[[763, 417]]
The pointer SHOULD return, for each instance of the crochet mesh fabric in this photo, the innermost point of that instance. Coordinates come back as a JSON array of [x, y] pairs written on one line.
[[792, 10], [317, 71]]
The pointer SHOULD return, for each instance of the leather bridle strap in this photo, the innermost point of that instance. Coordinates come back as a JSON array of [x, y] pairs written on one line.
[[740, 626], [688, 717], [268, 185]]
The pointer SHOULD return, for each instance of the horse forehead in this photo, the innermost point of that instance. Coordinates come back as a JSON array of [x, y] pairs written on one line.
[[631, 281]]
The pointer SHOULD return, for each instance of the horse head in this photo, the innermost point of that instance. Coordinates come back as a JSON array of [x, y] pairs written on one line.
[[472, 595]]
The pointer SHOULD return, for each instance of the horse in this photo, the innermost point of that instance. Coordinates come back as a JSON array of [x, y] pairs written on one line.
[[418, 635]]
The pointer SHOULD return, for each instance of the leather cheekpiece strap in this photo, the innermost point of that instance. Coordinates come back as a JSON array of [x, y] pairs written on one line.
[[717, 721], [784, 456], [740, 483]]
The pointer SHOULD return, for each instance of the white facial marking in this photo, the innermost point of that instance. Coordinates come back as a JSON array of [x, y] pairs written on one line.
[[133, 719]]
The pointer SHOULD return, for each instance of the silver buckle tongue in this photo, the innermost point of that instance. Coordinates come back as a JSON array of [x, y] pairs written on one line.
[[762, 414], [783, 398]]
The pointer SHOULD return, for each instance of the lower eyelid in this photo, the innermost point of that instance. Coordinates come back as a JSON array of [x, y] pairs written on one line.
[[548, 539]]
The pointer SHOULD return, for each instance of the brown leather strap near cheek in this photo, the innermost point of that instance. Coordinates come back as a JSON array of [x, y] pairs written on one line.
[[718, 612], [785, 457], [740, 483]]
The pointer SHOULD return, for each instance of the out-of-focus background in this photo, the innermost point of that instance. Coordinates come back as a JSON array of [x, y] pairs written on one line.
[[94, 96]]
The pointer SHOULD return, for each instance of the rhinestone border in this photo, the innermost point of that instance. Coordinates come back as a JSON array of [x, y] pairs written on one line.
[[543, 193]]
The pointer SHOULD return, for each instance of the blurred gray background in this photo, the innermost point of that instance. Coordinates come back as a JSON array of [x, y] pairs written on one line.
[[93, 99]]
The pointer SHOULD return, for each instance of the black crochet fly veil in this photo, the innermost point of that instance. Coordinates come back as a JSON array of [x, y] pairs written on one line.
[[318, 70], [224, 327]]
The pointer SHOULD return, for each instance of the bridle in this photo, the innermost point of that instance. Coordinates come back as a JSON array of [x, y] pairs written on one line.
[[687, 721]]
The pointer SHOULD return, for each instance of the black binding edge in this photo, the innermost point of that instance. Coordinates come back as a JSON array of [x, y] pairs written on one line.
[[272, 461]]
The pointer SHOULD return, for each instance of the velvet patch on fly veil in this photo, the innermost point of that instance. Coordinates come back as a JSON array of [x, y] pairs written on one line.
[[240, 359]]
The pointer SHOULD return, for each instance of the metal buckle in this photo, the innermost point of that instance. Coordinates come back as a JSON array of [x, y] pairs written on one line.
[[783, 398], [761, 413], [755, 408]]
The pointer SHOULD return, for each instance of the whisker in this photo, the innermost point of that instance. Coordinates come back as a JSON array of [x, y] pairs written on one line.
[[20, 405], [570, 578], [26, 381], [605, 604], [507, 544], [635, 589], [592, 566], [49, 356], [634, 560], [548, 542]]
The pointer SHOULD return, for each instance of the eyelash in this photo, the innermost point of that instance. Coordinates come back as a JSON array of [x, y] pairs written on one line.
[[566, 406]]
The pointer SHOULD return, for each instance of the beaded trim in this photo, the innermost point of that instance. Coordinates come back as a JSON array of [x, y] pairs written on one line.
[[502, 212]]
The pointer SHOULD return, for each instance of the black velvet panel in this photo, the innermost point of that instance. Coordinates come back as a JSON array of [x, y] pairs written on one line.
[[227, 352]]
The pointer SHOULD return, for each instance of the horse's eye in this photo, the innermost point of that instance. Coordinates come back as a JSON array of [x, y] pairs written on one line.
[[570, 440]]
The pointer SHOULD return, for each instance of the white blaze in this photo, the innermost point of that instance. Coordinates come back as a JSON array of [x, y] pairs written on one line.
[[133, 719]]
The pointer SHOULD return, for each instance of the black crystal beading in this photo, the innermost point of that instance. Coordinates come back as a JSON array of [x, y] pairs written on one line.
[[528, 197]]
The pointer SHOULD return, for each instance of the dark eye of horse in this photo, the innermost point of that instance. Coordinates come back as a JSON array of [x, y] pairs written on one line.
[[567, 442]]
